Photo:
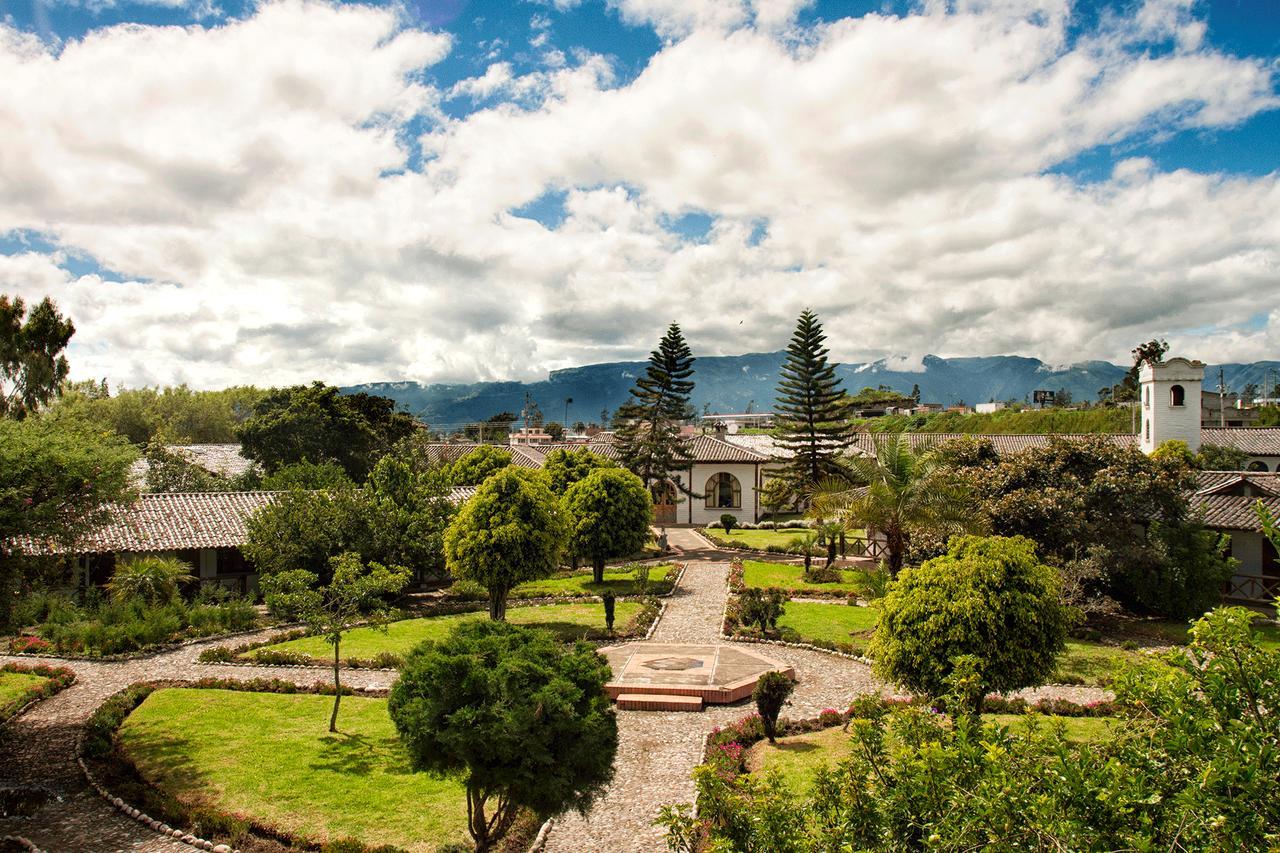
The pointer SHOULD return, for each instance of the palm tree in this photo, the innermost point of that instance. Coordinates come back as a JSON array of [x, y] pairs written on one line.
[[895, 492]]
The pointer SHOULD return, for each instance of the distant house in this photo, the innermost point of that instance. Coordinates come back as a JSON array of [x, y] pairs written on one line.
[[1227, 500], [735, 422], [1229, 410], [990, 408]]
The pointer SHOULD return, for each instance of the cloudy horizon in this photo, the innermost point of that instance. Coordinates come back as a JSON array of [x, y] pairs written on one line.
[[269, 193]]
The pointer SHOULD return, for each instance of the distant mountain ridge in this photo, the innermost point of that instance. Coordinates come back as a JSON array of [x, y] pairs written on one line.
[[729, 383]]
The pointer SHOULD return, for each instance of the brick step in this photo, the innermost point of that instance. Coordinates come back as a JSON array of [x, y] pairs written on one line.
[[658, 702]]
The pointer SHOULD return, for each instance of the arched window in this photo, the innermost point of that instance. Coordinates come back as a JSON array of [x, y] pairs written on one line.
[[1257, 465], [1177, 396], [723, 492], [1146, 397]]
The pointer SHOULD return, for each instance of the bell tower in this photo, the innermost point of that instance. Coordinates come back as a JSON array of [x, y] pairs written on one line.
[[1170, 403]]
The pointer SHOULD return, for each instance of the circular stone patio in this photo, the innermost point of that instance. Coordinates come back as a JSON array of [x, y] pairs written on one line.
[[681, 677]]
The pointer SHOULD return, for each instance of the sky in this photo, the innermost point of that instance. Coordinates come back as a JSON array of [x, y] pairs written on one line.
[[274, 192]]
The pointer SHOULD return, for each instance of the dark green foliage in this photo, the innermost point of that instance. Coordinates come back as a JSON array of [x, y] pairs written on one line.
[[476, 467], [524, 719], [149, 577], [728, 521], [57, 481], [1214, 457], [987, 597], [307, 475], [812, 418], [170, 471], [610, 603], [512, 530], [173, 415], [32, 366], [565, 466], [761, 608], [771, 693], [303, 529], [609, 513], [1179, 574], [1190, 765], [648, 435], [316, 422]]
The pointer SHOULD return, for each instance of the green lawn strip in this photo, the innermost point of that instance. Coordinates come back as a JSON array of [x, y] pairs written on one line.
[[568, 621], [620, 581], [15, 687], [270, 757], [830, 623], [797, 757], [757, 573], [756, 538], [1094, 664]]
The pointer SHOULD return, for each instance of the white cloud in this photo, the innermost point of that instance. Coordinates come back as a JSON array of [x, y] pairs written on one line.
[[259, 173]]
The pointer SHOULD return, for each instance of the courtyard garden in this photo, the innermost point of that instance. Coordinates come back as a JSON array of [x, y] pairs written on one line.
[[20, 685], [790, 578], [628, 580]]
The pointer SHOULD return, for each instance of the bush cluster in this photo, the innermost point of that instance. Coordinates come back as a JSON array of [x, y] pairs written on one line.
[[793, 524], [96, 625]]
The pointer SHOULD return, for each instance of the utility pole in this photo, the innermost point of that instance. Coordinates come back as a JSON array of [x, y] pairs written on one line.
[[1222, 397], [567, 401]]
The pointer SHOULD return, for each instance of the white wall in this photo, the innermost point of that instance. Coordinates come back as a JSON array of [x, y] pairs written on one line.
[[694, 510], [1161, 420], [1246, 546]]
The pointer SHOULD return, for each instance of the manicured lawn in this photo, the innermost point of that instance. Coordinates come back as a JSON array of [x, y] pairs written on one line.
[[14, 686], [830, 623], [620, 580], [1091, 663], [271, 756], [567, 621], [755, 538], [799, 756], [757, 573]]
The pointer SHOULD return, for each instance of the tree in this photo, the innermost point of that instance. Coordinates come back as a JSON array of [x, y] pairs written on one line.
[[609, 513], [407, 511], [317, 423], [476, 467], [170, 471], [150, 577], [523, 719], [990, 598], [308, 475], [555, 429], [812, 423], [771, 693], [1151, 352], [494, 428], [899, 494], [565, 466], [32, 367], [57, 482], [1216, 457], [305, 529], [353, 596], [510, 531], [648, 439]]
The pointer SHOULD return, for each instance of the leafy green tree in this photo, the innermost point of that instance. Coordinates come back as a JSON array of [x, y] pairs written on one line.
[[407, 511], [566, 466], [648, 437], [317, 422], [770, 694], [812, 419], [523, 719], [987, 597], [305, 529], [57, 482], [354, 595], [32, 366], [150, 577], [476, 467], [1151, 352], [1215, 457], [171, 415], [511, 531], [609, 514], [899, 494], [308, 475], [169, 471]]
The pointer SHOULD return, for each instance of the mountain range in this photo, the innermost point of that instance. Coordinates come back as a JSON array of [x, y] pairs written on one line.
[[731, 383]]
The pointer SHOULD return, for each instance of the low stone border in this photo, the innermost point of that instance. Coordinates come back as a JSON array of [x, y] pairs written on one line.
[[149, 651], [807, 646], [540, 842], [24, 843]]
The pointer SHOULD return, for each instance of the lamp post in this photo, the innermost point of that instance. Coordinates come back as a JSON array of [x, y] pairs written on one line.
[[567, 401]]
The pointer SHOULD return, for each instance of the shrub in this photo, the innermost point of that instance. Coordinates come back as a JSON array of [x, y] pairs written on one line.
[[609, 602], [987, 598], [822, 574], [766, 525], [728, 522], [772, 691], [29, 645], [153, 579], [761, 608], [468, 590]]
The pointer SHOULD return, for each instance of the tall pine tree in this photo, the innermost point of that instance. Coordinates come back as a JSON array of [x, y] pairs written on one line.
[[649, 438], [812, 422]]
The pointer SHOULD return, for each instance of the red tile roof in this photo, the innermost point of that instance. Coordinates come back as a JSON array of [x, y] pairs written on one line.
[[1259, 441], [1233, 512]]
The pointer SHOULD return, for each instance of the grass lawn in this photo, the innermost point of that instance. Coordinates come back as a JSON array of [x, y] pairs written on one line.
[[830, 623], [1091, 663], [620, 580], [758, 573], [755, 538], [567, 621], [271, 756], [14, 686], [799, 756]]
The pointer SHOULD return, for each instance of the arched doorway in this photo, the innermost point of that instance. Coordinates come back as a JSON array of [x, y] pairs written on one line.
[[664, 503]]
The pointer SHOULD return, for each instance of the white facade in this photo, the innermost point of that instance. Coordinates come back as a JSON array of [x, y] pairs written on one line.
[[1170, 403], [990, 408], [695, 510]]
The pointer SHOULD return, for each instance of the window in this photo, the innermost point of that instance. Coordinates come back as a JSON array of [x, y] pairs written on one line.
[[1148, 428], [1257, 465], [1177, 396], [1146, 397], [724, 492]]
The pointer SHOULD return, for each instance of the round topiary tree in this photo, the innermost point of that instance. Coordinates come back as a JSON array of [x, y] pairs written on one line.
[[522, 717], [509, 532], [610, 511], [478, 465], [987, 597]]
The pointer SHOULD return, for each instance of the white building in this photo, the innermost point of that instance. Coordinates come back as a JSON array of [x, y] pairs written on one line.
[[1170, 403], [990, 408]]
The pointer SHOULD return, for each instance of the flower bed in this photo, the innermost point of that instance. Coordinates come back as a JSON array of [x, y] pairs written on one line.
[[51, 680]]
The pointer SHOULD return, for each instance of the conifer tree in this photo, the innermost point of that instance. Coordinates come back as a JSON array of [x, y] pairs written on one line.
[[812, 423], [649, 440]]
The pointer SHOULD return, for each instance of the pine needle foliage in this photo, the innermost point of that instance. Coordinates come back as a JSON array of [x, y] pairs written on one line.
[[649, 439], [812, 421]]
